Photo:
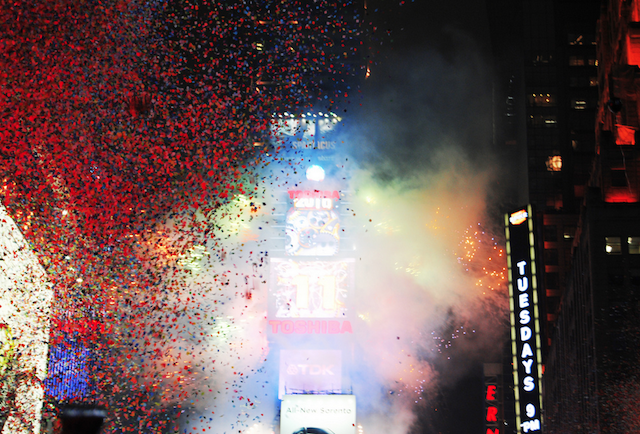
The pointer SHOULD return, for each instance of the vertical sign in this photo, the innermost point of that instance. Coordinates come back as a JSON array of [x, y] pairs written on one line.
[[525, 319], [493, 397]]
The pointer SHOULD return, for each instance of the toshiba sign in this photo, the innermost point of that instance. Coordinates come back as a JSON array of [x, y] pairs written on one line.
[[525, 319]]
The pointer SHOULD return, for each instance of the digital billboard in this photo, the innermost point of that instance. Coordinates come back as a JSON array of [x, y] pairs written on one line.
[[525, 319], [319, 414], [310, 371], [312, 224], [310, 289], [69, 375]]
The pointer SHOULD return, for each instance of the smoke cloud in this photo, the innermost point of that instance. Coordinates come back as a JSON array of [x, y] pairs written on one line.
[[419, 173]]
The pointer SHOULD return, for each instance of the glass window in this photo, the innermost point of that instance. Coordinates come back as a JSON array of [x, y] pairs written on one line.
[[554, 163], [576, 60], [574, 39], [612, 245], [578, 104], [542, 100], [551, 256], [553, 280], [634, 245], [618, 178], [550, 233], [548, 121]]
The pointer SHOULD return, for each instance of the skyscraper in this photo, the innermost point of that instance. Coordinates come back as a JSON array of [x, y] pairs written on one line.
[[591, 374]]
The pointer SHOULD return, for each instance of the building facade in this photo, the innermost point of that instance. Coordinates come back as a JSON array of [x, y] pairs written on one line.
[[591, 376]]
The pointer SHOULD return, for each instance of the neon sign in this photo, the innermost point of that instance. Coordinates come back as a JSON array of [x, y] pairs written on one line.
[[491, 419], [525, 321]]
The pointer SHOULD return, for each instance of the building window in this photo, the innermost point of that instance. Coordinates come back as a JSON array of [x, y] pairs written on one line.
[[574, 39], [550, 233], [548, 121], [612, 246], [634, 245], [618, 178], [554, 163], [542, 100], [551, 256], [578, 104], [553, 280], [576, 61], [555, 201], [569, 232]]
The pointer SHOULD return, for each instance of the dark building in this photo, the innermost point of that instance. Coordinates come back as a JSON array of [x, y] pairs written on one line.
[[592, 376], [560, 85]]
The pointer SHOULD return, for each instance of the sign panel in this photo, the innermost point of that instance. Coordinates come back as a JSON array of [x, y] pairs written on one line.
[[310, 289], [525, 319], [320, 414], [312, 224], [310, 371]]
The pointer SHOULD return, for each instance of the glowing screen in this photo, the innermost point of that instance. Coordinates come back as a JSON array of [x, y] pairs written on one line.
[[312, 225], [310, 289], [310, 371], [331, 414]]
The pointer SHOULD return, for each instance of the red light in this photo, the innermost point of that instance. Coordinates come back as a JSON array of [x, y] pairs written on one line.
[[492, 414], [491, 392]]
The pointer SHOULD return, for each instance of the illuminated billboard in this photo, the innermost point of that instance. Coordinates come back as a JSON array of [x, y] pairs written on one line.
[[310, 289], [312, 224], [310, 371], [69, 371], [525, 319], [330, 414]]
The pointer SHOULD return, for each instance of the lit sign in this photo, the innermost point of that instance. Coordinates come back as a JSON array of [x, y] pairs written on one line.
[[312, 225], [310, 327], [525, 321], [318, 413], [310, 371], [314, 199], [491, 419], [310, 289], [518, 217]]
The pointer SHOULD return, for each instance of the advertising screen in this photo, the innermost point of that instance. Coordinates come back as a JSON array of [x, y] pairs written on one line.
[[525, 319], [310, 289], [319, 414], [310, 371], [312, 224]]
